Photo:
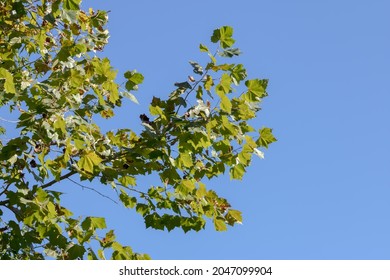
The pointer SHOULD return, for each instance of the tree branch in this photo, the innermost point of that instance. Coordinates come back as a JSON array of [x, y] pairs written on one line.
[[71, 173], [4, 202], [66, 176]]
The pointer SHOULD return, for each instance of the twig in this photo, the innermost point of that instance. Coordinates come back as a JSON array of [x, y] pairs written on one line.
[[5, 189], [191, 90], [9, 121], [92, 189]]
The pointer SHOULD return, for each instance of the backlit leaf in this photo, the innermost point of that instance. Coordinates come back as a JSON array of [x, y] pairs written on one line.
[[88, 161], [223, 35], [203, 48], [9, 80], [237, 171], [219, 224], [266, 137], [71, 4]]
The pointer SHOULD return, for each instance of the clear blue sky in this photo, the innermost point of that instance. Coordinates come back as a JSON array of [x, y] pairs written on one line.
[[323, 190]]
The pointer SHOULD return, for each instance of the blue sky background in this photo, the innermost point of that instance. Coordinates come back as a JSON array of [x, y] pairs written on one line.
[[323, 190]]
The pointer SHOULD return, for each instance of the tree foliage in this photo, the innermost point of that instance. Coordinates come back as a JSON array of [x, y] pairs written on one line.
[[54, 83]]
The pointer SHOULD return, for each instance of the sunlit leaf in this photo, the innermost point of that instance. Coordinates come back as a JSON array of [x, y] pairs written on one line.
[[9, 85], [71, 4], [223, 35], [220, 224]]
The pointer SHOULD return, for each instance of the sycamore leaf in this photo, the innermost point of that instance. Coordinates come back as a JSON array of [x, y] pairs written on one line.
[[236, 215], [185, 187], [185, 160], [256, 89], [9, 85], [76, 251], [226, 104], [127, 180], [71, 4], [266, 137], [60, 124], [224, 36], [220, 224], [208, 82], [203, 48], [128, 201], [88, 161], [98, 222], [237, 171], [92, 223], [201, 191], [133, 80], [225, 83]]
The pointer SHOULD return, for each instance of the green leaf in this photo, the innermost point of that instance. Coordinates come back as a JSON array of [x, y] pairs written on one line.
[[208, 83], [155, 111], [101, 254], [185, 187], [201, 191], [52, 209], [133, 80], [103, 68], [223, 35], [266, 137], [76, 78], [219, 224], [237, 171], [127, 180], [60, 124], [112, 89], [256, 90], [76, 251], [91, 255], [199, 93], [185, 160], [226, 104], [92, 223], [128, 201], [98, 222], [71, 4], [142, 209], [238, 73], [9, 85], [153, 221], [89, 161], [236, 215], [225, 84], [203, 48]]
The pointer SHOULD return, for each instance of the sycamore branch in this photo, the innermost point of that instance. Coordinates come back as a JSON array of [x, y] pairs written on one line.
[[67, 175]]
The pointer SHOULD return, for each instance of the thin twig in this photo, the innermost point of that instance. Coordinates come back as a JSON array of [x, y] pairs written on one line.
[[5, 189], [92, 189], [9, 121]]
